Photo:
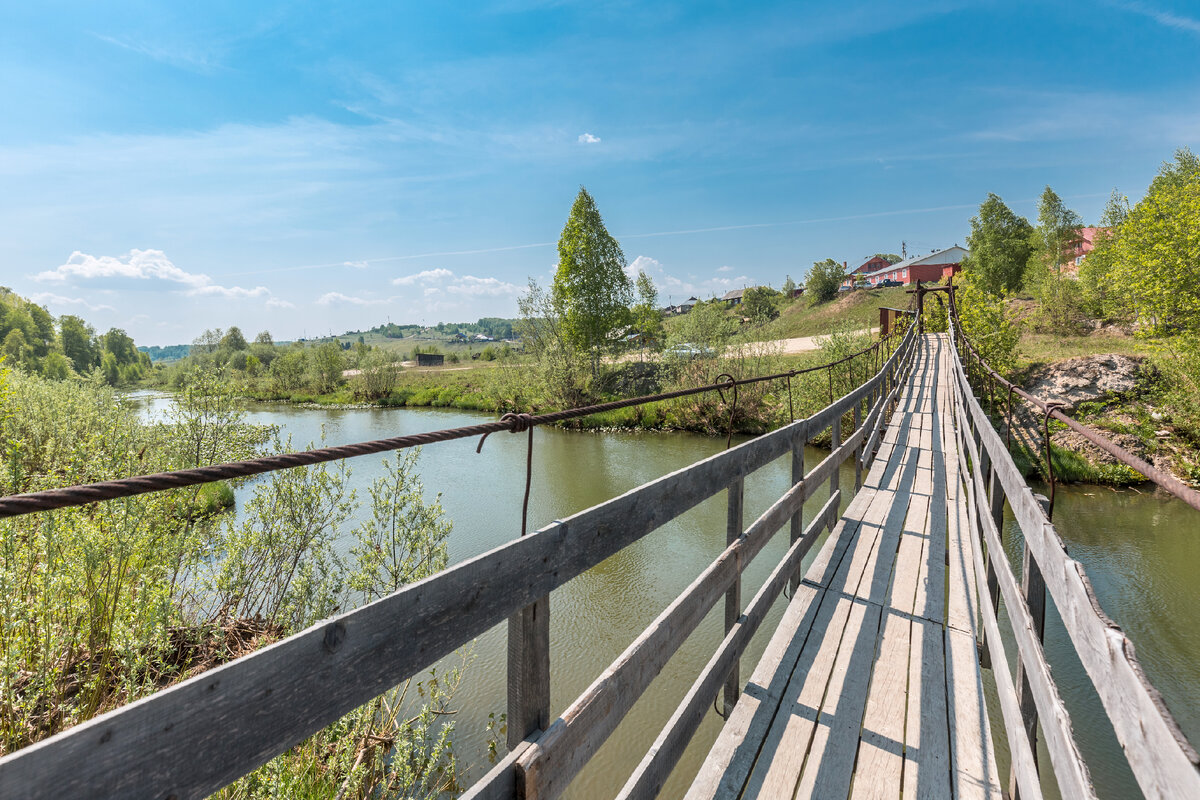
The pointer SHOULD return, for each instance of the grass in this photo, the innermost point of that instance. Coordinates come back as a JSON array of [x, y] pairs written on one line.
[[860, 306], [1045, 348]]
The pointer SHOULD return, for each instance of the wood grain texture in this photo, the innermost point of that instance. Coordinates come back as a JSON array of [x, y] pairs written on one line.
[[1161, 757]]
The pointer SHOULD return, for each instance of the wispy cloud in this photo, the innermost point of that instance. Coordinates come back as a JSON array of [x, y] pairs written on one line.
[[439, 280], [471, 285], [176, 54], [725, 269], [1165, 18], [425, 276], [49, 298], [337, 298]]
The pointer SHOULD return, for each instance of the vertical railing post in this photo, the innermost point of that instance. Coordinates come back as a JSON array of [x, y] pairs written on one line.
[[858, 453], [528, 671], [733, 597], [797, 526], [835, 434], [1033, 590], [986, 508]]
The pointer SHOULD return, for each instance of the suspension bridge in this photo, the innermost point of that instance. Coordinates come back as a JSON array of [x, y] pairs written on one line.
[[873, 684]]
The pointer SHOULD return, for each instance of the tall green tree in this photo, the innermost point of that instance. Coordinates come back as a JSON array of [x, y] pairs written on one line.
[[1156, 262], [646, 318], [1058, 227], [891, 258], [999, 246], [823, 280], [76, 336], [1095, 274], [590, 286]]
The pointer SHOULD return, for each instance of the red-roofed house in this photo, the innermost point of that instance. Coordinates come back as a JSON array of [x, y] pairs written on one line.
[[1078, 249], [870, 265]]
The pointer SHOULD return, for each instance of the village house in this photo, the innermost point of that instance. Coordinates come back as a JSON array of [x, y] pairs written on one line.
[[1080, 247], [928, 269]]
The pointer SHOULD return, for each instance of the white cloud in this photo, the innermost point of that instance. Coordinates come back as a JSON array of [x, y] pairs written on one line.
[[229, 292], [143, 265], [136, 264], [425, 276], [276, 302], [471, 285], [337, 298], [587, 138], [643, 264], [355, 264], [49, 298], [725, 269]]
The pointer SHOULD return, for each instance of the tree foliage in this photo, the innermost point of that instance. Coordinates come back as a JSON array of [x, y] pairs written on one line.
[[1000, 247], [647, 320], [761, 303], [1153, 260], [591, 289], [823, 280], [1059, 296]]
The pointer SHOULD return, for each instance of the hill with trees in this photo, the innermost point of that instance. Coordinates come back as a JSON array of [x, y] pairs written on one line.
[[34, 341]]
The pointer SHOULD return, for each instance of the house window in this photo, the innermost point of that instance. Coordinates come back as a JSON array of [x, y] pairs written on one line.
[[1078, 260]]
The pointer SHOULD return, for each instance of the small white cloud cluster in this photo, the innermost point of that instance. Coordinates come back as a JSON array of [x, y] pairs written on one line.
[[436, 281], [587, 138]]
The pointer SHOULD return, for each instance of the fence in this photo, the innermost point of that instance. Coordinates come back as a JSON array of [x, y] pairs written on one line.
[[1160, 756], [197, 736]]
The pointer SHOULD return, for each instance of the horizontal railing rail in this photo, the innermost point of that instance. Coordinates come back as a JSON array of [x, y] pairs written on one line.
[[1161, 758], [197, 736]]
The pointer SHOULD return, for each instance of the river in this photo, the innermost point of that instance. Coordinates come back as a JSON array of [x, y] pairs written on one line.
[[1140, 550]]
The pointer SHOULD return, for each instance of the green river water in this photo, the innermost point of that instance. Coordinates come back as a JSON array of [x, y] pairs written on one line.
[[1141, 551]]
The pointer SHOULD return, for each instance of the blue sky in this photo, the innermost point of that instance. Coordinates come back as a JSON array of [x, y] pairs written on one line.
[[306, 167]]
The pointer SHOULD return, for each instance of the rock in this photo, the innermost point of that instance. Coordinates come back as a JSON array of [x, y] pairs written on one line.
[[1070, 440], [1084, 378]]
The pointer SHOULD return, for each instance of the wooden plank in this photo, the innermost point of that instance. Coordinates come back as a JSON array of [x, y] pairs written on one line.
[[547, 768], [973, 762], [500, 782], [827, 771], [1068, 764], [930, 600], [733, 754], [906, 581], [775, 772], [880, 764], [733, 597], [528, 671], [647, 780], [550, 765], [927, 730], [1023, 765], [1162, 759]]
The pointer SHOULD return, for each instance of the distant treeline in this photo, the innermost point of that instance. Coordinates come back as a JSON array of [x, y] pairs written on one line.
[[495, 327], [172, 352]]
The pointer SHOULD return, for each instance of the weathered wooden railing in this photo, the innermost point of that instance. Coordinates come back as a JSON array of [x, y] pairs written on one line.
[[1160, 756], [204, 733]]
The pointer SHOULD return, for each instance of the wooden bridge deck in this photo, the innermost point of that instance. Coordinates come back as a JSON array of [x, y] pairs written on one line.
[[871, 686]]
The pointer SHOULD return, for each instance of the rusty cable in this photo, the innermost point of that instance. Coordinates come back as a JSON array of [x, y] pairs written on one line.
[[1163, 479], [731, 384], [66, 497], [519, 423]]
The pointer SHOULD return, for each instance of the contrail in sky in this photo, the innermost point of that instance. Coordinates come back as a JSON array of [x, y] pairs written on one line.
[[448, 253]]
